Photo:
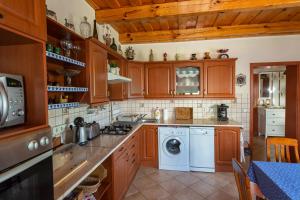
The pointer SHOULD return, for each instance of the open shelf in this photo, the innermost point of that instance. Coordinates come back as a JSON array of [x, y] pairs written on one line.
[[63, 105], [67, 89], [64, 59], [102, 189]]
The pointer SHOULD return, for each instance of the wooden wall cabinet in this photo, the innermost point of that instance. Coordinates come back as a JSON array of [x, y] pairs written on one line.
[[96, 75], [227, 146], [219, 78], [136, 73], [26, 16], [159, 80], [149, 146], [188, 79]]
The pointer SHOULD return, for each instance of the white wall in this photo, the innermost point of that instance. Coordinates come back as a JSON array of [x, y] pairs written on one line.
[[247, 50], [76, 10]]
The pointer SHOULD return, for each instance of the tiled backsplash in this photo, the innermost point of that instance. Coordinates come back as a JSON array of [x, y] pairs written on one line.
[[202, 108], [60, 118]]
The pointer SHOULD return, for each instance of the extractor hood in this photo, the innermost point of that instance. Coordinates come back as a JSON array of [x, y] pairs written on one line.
[[113, 78]]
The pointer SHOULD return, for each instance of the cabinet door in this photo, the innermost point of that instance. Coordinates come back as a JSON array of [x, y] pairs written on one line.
[[219, 78], [119, 91], [120, 184], [159, 81], [149, 146], [27, 16], [97, 64], [136, 73], [188, 79], [227, 146]]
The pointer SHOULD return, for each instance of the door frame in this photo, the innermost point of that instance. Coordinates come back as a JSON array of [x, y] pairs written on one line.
[[252, 67]]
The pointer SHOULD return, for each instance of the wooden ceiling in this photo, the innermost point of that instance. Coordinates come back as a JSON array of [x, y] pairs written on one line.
[[145, 21]]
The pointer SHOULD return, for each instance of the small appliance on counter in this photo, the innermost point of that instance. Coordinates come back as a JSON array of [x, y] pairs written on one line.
[[11, 100], [93, 130], [80, 131], [222, 112]]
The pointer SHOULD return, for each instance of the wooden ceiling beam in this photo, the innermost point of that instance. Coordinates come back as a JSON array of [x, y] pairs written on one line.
[[188, 7], [136, 2], [212, 33]]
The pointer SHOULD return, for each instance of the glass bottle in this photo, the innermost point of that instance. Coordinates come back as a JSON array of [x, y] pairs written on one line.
[[95, 32], [85, 28], [113, 46]]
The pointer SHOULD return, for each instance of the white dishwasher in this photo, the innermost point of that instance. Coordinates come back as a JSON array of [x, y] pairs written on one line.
[[202, 149]]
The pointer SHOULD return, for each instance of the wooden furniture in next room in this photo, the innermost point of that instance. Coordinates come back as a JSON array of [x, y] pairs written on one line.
[[242, 181], [282, 147]]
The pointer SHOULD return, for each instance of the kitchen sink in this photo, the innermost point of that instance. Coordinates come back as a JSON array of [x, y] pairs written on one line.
[[149, 120]]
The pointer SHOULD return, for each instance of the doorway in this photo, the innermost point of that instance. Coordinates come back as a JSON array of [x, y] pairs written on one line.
[[273, 89]]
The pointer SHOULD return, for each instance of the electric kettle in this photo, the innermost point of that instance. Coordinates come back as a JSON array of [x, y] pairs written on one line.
[[80, 131]]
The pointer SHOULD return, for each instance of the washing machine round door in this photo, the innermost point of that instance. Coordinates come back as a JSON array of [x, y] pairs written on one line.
[[173, 146]]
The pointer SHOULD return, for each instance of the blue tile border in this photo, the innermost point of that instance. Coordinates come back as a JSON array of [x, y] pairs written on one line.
[[63, 105], [64, 59], [66, 89]]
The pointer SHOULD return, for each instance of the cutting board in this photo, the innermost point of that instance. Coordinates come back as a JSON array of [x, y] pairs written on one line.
[[182, 113]]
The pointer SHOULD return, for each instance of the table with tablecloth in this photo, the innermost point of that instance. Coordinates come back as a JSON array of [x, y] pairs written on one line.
[[277, 181]]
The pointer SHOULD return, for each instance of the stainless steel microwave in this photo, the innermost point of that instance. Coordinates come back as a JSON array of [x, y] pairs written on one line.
[[12, 109]]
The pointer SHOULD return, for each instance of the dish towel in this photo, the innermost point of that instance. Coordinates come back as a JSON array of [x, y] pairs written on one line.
[[242, 146]]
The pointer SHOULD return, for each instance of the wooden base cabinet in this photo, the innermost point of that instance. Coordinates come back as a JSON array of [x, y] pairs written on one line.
[[227, 146], [26, 16], [149, 146], [126, 162]]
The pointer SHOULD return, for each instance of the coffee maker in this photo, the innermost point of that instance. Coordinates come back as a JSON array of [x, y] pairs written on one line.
[[80, 131], [222, 112]]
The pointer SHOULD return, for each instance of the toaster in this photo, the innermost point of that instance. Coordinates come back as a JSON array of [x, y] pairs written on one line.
[[93, 130]]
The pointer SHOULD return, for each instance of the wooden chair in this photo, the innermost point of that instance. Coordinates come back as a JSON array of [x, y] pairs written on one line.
[[242, 181], [282, 147]]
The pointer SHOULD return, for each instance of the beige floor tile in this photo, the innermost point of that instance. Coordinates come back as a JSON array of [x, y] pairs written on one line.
[[173, 172], [137, 196], [140, 174], [160, 176], [217, 180], [201, 175], [172, 186], [155, 193], [148, 170], [220, 195], [203, 188], [187, 194], [132, 190], [144, 183], [187, 179], [231, 189]]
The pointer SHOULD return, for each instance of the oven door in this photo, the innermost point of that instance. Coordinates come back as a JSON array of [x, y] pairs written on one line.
[[31, 180]]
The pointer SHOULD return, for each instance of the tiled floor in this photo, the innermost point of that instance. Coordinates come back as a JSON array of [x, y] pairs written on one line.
[[151, 184]]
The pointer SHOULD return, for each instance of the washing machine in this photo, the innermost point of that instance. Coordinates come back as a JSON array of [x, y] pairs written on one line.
[[173, 148]]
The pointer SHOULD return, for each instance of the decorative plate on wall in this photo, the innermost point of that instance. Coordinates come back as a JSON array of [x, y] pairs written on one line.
[[241, 80]]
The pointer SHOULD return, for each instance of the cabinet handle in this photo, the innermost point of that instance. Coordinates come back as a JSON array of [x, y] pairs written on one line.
[[121, 149], [1, 16], [133, 161]]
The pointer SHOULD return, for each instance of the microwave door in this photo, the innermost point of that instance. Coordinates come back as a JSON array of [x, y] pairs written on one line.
[[3, 104]]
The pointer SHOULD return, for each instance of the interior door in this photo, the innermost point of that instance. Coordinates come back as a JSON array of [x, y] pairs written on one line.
[[159, 81]]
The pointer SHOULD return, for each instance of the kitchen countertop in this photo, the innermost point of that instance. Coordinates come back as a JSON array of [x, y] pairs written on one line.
[[99, 149]]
